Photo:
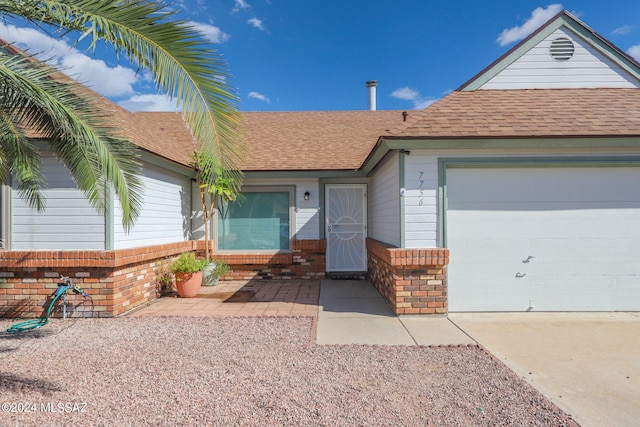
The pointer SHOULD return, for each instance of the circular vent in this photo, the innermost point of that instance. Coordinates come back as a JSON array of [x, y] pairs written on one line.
[[561, 49]]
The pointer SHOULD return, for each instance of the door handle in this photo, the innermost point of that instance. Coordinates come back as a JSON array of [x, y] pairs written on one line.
[[329, 228]]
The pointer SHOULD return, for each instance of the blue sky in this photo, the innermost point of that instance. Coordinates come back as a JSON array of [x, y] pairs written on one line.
[[293, 55]]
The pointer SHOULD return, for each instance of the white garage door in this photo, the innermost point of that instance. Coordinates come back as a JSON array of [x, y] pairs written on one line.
[[543, 239]]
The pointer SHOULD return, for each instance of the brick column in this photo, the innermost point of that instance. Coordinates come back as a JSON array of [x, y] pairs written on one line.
[[414, 281]]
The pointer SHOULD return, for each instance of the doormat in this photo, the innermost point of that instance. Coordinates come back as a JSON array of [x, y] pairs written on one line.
[[347, 276]]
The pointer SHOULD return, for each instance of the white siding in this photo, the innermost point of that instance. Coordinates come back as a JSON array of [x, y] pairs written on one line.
[[68, 223], [307, 211], [536, 69], [166, 214], [384, 203], [421, 201]]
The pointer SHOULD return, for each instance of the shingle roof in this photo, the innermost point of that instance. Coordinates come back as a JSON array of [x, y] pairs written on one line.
[[164, 134], [313, 140], [318, 140], [527, 113]]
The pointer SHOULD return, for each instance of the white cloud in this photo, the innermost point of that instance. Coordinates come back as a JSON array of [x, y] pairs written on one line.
[[94, 73], [634, 51], [149, 102], [257, 23], [259, 96], [210, 32], [421, 104], [240, 5], [408, 94], [624, 29], [405, 93], [538, 17]]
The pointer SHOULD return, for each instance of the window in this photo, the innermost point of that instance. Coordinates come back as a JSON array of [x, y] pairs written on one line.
[[260, 219]]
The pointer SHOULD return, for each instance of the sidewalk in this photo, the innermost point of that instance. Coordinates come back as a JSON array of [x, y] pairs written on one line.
[[354, 312], [348, 311]]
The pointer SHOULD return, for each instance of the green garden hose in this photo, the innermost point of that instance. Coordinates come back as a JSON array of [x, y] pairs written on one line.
[[30, 324]]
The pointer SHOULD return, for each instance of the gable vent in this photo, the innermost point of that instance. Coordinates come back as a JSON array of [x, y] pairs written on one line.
[[561, 49]]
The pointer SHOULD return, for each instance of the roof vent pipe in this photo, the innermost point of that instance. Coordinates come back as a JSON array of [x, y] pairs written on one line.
[[371, 85]]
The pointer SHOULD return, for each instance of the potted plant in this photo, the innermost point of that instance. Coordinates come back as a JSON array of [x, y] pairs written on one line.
[[212, 272], [215, 185], [164, 279], [188, 272]]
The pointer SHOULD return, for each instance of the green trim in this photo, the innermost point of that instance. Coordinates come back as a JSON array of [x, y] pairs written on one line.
[[501, 143], [509, 162], [5, 216], [442, 204], [493, 143], [537, 162], [376, 156], [401, 190], [356, 173], [322, 220], [109, 218]]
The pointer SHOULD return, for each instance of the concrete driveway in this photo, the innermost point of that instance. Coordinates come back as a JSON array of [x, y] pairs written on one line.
[[586, 363]]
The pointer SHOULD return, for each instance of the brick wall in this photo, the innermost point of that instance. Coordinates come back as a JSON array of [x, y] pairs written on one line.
[[414, 281], [305, 261], [118, 281]]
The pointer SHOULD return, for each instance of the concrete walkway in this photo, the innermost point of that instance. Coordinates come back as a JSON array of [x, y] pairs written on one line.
[[353, 312]]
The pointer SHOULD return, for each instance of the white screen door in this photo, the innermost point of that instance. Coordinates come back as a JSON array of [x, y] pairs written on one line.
[[346, 227]]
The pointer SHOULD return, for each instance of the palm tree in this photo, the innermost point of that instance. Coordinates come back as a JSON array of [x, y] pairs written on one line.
[[36, 103]]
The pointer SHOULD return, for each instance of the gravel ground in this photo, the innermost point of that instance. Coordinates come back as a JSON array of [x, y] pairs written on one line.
[[249, 371]]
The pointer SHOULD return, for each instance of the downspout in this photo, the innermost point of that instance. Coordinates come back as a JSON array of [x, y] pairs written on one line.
[[5, 216], [193, 212], [109, 218], [401, 181]]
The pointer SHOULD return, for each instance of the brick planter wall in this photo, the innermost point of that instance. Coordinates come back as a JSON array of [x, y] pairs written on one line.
[[305, 261], [120, 280], [414, 281], [116, 281]]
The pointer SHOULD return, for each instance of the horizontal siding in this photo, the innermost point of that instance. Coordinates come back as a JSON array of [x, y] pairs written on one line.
[[421, 201], [307, 211], [166, 213], [69, 222], [384, 203], [536, 69]]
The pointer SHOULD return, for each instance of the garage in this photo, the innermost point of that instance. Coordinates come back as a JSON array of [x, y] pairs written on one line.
[[532, 238]]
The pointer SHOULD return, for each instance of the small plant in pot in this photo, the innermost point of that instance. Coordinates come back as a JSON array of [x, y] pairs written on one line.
[[164, 279], [212, 272], [188, 272]]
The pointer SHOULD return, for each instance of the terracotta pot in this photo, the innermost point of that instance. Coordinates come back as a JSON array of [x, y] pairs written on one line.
[[188, 284]]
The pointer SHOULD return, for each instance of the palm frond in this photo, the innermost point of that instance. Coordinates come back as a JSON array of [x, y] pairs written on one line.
[[178, 57], [79, 133]]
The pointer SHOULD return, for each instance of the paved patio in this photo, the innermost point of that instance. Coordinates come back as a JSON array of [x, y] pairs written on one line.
[[242, 298]]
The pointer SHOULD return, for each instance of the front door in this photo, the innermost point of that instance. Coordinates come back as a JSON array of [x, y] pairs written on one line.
[[346, 227]]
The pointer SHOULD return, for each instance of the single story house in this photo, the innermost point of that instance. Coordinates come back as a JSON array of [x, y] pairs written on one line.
[[519, 191]]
